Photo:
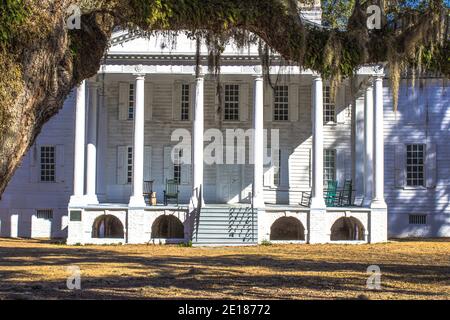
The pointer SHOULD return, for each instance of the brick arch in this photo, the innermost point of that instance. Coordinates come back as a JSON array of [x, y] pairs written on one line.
[[107, 226], [287, 228], [347, 229], [167, 227]]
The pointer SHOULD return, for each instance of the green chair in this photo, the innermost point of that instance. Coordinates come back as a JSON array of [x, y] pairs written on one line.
[[171, 191], [346, 196], [331, 195]]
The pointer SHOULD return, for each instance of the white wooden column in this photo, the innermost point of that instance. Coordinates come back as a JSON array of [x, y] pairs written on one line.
[[197, 142], [77, 198], [258, 140], [317, 200], [91, 156], [368, 144], [102, 144], [378, 135], [137, 197]]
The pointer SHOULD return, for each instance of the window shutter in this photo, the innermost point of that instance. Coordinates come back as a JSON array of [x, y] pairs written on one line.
[[310, 168], [168, 165], [400, 165], [124, 96], [284, 161], [122, 165], [176, 100], [34, 164], [186, 174], [268, 176], [193, 89], [149, 94], [431, 165], [268, 103], [293, 102], [147, 163], [340, 167], [60, 172], [340, 106], [243, 101]]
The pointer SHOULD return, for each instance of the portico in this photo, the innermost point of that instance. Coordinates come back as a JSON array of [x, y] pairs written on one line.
[[135, 132]]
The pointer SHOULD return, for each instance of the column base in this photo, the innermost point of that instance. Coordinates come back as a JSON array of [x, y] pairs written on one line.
[[318, 233], [378, 204], [258, 203], [263, 228], [137, 202], [318, 203], [77, 201], [378, 225], [91, 199]]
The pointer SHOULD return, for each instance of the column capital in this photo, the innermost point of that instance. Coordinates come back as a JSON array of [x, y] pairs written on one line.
[[317, 77], [199, 72], [92, 84], [258, 72], [139, 76]]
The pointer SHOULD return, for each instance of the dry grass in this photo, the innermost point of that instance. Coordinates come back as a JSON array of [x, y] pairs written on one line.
[[410, 270]]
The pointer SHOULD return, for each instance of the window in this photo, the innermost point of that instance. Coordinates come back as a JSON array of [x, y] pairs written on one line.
[[417, 219], [231, 112], [129, 164], [48, 164], [281, 110], [329, 109], [185, 88], [329, 165], [131, 102], [277, 170], [44, 214], [177, 165], [415, 165]]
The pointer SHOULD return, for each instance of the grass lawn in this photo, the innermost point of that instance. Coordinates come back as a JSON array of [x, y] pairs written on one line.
[[410, 270]]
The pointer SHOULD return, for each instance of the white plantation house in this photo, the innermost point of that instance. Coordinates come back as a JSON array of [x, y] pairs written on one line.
[[294, 167]]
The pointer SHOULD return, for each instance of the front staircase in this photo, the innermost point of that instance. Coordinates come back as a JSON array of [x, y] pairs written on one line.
[[226, 226]]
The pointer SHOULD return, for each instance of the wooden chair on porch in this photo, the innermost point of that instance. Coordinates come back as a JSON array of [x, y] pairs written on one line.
[[331, 194], [171, 191], [346, 194], [148, 191]]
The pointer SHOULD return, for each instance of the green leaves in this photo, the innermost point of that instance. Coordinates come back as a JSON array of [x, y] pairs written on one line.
[[12, 14]]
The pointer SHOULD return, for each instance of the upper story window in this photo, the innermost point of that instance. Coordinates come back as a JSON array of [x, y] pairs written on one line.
[[48, 164], [281, 110], [415, 165], [185, 105], [329, 108], [329, 165], [131, 102], [231, 106], [129, 164]]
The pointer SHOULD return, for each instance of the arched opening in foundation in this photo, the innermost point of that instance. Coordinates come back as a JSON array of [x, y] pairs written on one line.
[[107, 226], [167, 227], [347, 229], [287, 228]]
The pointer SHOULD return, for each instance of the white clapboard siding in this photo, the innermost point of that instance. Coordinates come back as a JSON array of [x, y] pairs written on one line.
[[244, 101], [122, 165], [431, 165], [148, 163], [293, 102], [149, 96], [124, 98]]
